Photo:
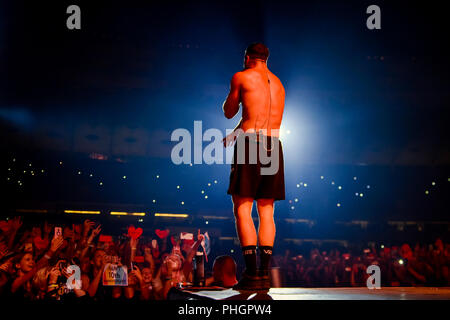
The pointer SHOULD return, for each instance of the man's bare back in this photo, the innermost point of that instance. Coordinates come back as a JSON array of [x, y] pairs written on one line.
[[260, 111]]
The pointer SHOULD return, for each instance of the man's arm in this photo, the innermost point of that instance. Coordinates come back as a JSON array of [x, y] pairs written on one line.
[[231, 104]]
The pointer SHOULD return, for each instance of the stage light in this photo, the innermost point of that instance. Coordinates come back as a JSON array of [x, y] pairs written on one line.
[[209, 184], [124, 177], [29, 165], [101, 183], [296, 199], [292, 208], [82, 211], [433, 183], [232, 251], [206, 197], [79, 172], [157, 176], [382, 246], [427, 192], [400, 261], [354, 178], [321, 177], [178, 187], [332, 182], [203, 191], [42, 170], [154, 201], [60, 162], [90, 175], [114, 213], [141, 220], [206, 222], [339, 187], [182, 202], [338, 204], [122, 213], [368, 187], [305, 185], [171, 215], [356, 194], [360, 194], [298, 186], [215, 181]]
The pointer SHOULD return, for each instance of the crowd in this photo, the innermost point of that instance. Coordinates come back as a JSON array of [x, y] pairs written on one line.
[[78, 262], [425, 265], [57, 262]]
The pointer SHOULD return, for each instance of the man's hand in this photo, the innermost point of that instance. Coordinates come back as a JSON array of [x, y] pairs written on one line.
[[229, 139]]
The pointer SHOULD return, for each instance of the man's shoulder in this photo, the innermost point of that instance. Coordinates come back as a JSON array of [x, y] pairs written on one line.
[[239, 75]]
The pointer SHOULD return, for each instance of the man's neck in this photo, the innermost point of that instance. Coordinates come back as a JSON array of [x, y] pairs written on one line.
[[256, 64]]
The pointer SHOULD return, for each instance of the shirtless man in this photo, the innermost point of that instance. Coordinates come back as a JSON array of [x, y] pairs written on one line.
[[262, 96]]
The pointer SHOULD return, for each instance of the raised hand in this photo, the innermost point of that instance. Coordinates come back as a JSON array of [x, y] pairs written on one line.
[[96, 231], [56, 244], [16, 223], [3, 249], [87, 225], [53, 275], [137, 273], [200, 237], [6, 266]]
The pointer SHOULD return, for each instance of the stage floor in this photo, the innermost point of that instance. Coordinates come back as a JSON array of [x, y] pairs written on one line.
[[387, 293]]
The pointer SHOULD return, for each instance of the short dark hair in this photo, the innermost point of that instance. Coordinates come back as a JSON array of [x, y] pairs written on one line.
[[257, 51], [224, 265]]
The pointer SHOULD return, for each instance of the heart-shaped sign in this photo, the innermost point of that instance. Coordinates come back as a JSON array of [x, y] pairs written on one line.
[[162, 233], [40, 243], [134, 233]]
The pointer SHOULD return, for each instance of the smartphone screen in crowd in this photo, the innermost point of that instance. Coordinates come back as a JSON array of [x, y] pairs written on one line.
[[58, 232]]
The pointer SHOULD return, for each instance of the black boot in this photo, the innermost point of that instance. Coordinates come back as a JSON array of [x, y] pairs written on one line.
[[249, 282]]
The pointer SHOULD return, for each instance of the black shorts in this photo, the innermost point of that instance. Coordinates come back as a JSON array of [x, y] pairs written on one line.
[[262, 174]]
